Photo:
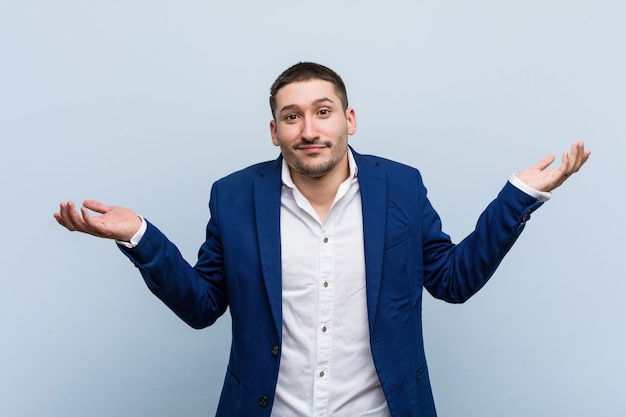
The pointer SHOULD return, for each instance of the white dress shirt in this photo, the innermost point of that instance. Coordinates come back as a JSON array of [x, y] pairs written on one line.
[[326, 366]]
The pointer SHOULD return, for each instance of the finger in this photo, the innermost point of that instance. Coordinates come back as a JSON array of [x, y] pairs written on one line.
[[581, 156], [90, 225], [544, 162], [66, 217], [96, 206], [62, 216], [586, 157], [59, 218], [565, 163], [74, 219], [568, 166], [575, 160], [578, 157], [95, 225]]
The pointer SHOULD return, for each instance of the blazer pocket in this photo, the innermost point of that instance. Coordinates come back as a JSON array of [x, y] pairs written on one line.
[[232, 376], [397, 238], [422, 371]]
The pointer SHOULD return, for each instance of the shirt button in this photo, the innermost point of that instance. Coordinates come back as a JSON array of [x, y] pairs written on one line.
[[322, 374], [324, 329], [325, 284], [325, 240]]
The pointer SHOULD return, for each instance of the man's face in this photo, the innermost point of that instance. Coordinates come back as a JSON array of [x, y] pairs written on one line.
[[311, 128]]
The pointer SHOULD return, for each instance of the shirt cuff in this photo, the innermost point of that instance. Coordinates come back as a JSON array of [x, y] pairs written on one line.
[[542, 196], [134, 241]]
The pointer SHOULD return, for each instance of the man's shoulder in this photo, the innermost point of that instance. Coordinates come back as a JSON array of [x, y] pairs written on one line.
[[388, 165], [251, 172]]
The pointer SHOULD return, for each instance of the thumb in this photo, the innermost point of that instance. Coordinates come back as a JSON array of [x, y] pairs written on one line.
[[96, 206], [545, 162]]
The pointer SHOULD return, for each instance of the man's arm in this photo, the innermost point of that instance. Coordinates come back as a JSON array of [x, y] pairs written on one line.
[[455, 272], [197, 297]]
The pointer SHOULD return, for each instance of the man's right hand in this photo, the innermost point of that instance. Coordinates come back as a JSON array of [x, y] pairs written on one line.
[[114, 222]]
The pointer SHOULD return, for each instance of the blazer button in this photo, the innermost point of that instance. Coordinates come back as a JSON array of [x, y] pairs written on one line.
[[525, 218], [275, 350], [263, 401]]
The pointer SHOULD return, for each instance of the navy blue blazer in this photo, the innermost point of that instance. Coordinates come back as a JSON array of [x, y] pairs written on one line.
[[239, 266]]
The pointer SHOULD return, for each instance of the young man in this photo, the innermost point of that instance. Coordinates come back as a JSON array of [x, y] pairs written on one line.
[[321, 256]]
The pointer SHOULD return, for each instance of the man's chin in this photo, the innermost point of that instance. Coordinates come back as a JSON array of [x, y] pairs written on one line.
[[314, 171]]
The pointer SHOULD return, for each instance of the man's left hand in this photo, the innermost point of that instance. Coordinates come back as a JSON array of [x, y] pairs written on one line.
[[540, 178]]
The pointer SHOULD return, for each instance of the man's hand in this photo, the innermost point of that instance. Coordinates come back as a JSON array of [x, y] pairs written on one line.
[[542, 179], [117, 223]]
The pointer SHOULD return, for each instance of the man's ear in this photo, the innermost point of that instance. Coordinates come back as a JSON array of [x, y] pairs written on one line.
[[351, 120], [273, 133]]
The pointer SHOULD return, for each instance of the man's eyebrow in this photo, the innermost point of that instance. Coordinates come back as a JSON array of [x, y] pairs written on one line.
[[322, 100], [289, 107]]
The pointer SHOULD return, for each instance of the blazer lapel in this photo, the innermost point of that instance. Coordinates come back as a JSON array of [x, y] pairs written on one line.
[[267, 188], [373, 186]]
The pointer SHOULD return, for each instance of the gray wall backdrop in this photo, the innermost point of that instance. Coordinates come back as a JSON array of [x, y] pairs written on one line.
[[146, 103]]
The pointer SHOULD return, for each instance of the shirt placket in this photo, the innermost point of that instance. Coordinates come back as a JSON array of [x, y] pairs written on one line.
[[323, 372]]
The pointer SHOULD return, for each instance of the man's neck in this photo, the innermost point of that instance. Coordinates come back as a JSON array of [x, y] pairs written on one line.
[[321, 191]]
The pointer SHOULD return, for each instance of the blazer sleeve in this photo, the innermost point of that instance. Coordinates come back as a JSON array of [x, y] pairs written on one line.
[[456, 272], [196, 294]]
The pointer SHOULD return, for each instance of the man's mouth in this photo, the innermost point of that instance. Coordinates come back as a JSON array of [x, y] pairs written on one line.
[[311, 147]]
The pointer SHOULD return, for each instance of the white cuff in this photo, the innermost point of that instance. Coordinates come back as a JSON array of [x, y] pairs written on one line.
[[134, 241], [542, 196]]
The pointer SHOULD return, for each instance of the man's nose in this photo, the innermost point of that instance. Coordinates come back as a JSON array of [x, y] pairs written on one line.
[[309, 129]]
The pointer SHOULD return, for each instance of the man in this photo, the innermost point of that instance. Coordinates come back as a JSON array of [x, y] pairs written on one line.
[[321, 256]]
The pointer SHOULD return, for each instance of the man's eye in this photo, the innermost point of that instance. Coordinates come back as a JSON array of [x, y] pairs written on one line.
[[290, 117], [324, 112]]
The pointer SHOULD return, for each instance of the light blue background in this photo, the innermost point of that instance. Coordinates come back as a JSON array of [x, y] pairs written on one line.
[[146, 103]]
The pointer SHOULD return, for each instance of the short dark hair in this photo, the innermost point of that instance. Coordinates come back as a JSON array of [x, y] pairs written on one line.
[[306, 71]]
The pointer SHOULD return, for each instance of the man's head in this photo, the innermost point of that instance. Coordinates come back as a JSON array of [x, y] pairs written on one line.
[[306, 71], [311, 122]]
